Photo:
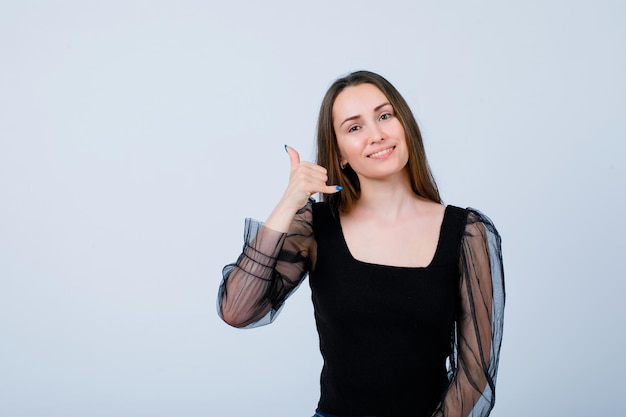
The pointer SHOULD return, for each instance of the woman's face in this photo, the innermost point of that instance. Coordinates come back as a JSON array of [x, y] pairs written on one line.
[[369, 135]]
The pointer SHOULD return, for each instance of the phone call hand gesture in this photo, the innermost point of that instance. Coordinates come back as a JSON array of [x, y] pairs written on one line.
[[305, 179]]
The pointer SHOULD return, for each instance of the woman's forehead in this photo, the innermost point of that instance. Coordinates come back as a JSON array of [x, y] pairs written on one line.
[[358, 98]]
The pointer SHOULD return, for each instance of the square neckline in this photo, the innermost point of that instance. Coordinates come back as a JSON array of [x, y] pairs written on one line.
[[431, 263]]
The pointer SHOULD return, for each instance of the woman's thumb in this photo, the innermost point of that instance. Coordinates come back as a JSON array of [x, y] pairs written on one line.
[[294, 157]]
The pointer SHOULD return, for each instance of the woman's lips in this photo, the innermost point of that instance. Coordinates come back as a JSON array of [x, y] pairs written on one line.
[[382, 153]]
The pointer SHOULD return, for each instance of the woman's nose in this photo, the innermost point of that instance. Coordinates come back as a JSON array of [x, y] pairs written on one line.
[[377, 134]]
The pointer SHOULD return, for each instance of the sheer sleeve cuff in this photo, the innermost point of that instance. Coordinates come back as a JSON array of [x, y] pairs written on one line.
[[260, 250], [271, 266]]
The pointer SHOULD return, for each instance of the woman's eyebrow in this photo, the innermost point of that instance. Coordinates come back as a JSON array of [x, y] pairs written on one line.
[[380, 106]]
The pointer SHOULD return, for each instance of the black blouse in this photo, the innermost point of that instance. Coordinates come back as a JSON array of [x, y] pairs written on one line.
[[426, 340]]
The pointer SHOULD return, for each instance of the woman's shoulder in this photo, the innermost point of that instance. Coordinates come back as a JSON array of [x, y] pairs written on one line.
[[473, 214], [456, 214], [322, 211], [474, 219]]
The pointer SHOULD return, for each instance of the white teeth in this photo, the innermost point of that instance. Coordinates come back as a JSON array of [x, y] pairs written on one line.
[[380, 153]]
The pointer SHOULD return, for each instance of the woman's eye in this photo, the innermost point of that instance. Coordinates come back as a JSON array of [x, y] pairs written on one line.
[[385, 116], [354, 128]]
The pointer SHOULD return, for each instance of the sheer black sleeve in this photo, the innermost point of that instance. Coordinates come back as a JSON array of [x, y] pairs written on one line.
[[271, 266], [478, 334]]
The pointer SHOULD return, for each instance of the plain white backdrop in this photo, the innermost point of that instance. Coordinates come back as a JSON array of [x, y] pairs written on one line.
[[136, 136]]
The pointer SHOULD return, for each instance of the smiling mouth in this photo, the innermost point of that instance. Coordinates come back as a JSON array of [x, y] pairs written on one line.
[[381, 153]]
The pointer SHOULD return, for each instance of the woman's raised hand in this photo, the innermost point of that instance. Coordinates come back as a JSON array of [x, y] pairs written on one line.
[[305, 179]]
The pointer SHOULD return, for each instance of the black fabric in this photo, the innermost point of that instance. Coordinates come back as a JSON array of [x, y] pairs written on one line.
[[363, 321], [385, 332]]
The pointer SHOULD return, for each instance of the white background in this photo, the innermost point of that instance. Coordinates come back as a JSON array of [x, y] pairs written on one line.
[[136, 136]]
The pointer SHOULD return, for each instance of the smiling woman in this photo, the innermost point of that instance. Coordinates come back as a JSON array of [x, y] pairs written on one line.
[[372, 141], [408, 293]]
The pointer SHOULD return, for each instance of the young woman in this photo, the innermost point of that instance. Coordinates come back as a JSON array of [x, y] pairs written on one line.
[[408, 293]]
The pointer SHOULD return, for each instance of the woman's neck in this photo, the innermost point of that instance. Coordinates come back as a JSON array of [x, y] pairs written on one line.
[[389, 198]]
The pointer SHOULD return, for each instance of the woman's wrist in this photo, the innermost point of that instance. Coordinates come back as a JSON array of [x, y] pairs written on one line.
[[281, 217]]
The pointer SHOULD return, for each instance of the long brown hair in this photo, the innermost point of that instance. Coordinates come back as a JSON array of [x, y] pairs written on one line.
[[420, 176]]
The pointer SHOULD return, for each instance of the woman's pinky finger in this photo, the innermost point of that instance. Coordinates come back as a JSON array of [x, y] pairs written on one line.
[[332, 189]]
